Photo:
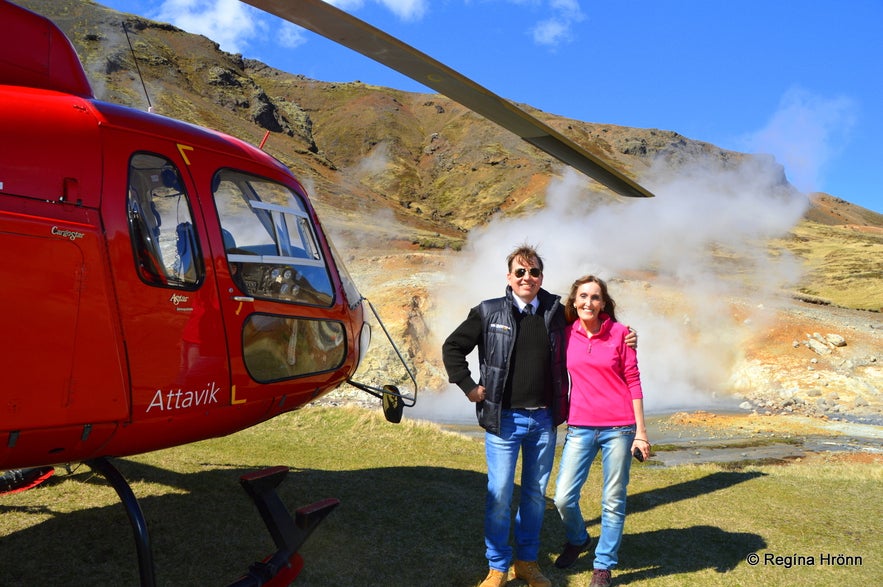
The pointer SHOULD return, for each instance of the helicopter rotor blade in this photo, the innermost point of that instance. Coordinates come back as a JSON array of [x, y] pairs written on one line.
[[349, 31]]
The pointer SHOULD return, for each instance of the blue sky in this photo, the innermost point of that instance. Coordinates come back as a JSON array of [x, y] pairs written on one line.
[[800, 79]]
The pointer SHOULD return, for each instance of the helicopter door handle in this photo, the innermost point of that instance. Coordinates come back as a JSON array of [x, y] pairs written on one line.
[[243, 299]]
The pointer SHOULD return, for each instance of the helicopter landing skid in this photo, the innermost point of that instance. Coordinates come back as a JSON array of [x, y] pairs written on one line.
[[288, 534], [278, 569]]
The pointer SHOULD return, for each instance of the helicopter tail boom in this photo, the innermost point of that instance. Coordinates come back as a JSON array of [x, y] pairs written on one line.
[[36, 54]]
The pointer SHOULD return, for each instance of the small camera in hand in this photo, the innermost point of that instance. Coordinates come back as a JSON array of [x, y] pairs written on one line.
[[638, 455]]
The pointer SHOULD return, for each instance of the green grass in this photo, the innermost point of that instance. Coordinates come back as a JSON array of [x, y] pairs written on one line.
[[843, 266], [412, 501]]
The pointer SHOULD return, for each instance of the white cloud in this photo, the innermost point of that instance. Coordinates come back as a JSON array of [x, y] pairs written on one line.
[[551, 32], [291, 36], [554, 29], [229, 23], [407, 10], [558, 28], [805, 134]]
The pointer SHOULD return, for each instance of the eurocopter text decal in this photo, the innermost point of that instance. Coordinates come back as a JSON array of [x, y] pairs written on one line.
[[180, 400], [71, 234]]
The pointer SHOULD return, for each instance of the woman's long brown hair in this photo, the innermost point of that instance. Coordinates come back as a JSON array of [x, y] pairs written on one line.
[[609, 304]]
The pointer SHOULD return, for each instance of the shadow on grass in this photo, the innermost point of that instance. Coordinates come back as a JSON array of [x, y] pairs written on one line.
[[395, 526], [647, 500], [417, 525], [683, 550], [675, 551]]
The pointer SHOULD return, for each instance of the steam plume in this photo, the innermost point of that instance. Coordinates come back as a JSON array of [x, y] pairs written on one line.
[[673, 264]]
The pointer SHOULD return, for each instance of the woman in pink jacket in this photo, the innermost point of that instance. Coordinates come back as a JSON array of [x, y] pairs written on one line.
[[606, 414]]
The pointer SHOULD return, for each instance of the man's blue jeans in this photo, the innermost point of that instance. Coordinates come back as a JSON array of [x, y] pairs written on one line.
[[581, 445], [531, 433]]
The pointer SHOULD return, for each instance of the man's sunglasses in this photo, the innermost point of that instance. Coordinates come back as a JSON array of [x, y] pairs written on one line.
[[534, 272]]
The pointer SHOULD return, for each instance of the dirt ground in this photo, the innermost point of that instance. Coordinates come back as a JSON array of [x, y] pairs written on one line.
[[793, 367]]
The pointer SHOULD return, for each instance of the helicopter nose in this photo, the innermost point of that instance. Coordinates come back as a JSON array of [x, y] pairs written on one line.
[[364, 342]]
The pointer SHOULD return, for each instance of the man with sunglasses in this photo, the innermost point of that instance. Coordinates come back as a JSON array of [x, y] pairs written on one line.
[[520, 399]]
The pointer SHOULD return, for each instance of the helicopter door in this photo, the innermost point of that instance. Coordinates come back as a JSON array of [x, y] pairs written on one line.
[[171, 318], [280, 286]]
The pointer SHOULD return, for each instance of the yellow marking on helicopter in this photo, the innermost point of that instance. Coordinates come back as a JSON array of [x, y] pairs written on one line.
[[181, 149]]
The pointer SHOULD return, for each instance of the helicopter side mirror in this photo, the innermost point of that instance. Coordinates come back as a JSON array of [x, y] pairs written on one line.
[[393, 401], [393, 406]]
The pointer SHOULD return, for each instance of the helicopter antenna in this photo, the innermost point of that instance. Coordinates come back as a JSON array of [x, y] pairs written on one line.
[[138, 69]]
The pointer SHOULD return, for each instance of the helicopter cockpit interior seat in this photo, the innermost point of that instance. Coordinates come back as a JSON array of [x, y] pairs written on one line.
[[170, 179], [145, 240], [155, 218], [185, 246], [229, 240]]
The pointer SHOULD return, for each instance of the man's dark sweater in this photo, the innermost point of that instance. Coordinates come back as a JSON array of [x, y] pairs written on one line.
[[529, 382]]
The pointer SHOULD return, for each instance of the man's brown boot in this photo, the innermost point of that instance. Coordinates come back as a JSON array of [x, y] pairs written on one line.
[[529, 571], [495, 578]]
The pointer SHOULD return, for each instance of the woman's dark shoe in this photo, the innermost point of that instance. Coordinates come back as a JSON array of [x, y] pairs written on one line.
[[571, 552]]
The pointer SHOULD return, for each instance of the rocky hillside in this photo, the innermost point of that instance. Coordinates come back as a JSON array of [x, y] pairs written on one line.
[[420, 192]]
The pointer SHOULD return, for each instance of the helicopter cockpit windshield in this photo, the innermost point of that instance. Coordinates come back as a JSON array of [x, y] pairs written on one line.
[[270, 241]]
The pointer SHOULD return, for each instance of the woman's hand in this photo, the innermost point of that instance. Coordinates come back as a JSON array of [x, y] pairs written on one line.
[[642, 445]]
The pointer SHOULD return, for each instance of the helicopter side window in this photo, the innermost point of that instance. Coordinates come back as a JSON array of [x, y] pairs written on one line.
[[281, 347], [270, 240], [161, 224]]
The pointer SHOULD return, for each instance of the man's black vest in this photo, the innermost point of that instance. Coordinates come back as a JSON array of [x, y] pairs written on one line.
[[499, 329]]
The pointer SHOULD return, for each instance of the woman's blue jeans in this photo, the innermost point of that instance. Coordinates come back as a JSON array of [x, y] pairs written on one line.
[[531, 433], [581, 445]]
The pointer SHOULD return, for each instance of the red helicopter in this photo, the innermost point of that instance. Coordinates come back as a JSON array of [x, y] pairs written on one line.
[[168, 283]]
